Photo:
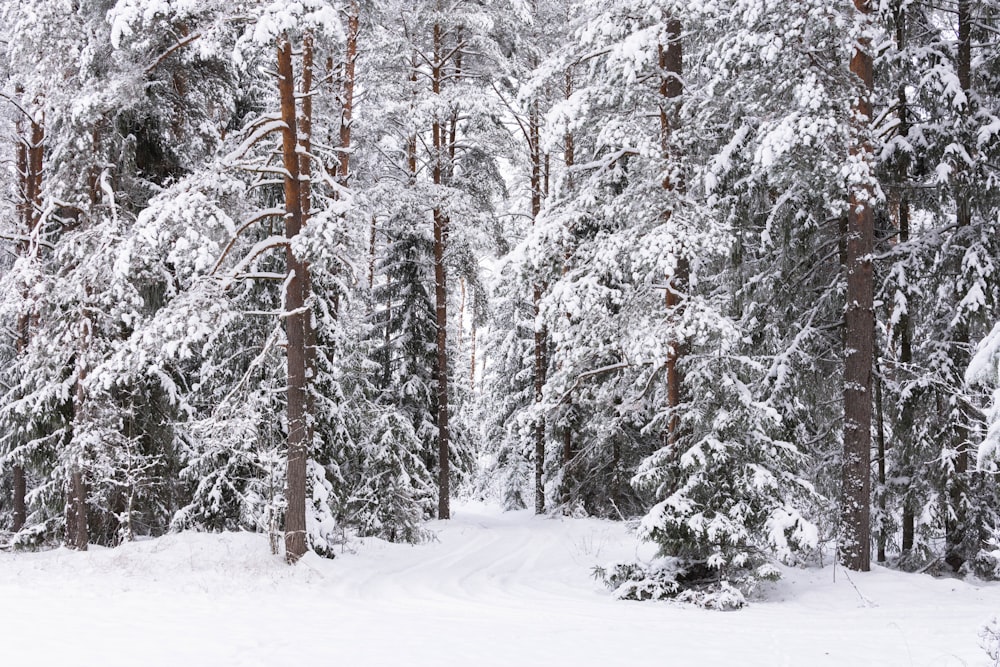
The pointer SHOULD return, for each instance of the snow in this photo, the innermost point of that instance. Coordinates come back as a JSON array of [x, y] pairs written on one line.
[[493, 589]]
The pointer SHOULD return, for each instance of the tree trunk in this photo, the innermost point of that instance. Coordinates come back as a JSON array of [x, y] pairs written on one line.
[[440, 290], [905, 359], [671, 61], [78, 511], [855, 551], [305, 199], [956, 520], [472, 355], [20, 490], [880, 435], [540, 337], [905, 423], [347, 101], [77, 535], [296, 317]]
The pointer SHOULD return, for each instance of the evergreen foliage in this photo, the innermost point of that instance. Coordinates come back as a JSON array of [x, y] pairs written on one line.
[[586, 257]]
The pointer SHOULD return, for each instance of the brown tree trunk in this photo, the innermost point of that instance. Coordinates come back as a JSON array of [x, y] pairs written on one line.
[[472, 355], [880, 435], [956, 520], [305, 198], [540, 338], [905, 424], [20, 491], [77, 535], [411, 141], [855, 551], [296, 316], [671, 61], [905, 359], [440, 290], [347, 101]]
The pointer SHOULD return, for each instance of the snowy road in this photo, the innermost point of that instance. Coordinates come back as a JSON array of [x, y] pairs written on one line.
[[494, 589]]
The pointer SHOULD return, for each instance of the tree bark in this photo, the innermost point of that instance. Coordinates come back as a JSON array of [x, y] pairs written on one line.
[[957, 519], [855, 551], [903, 335], [671, 62], [77, 535], [296, 317], [305, 199], [540, 334], [440, 289], [880, 439], [20, 490], [347, 100]]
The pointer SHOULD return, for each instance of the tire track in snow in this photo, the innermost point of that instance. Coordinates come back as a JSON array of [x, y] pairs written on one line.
[[495, 561]]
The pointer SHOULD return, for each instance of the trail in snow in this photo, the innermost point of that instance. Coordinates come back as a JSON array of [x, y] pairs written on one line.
[[494, 589]]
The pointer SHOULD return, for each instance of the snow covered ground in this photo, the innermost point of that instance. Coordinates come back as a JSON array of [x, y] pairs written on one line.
[[494, 589]]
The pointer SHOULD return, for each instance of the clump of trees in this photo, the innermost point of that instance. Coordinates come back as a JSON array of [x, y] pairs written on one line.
[[309, 268]]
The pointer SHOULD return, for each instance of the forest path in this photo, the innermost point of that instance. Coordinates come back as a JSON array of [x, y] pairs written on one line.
[[492, 589]]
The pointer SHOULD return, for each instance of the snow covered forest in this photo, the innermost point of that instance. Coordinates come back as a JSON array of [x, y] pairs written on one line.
[[727, 269]]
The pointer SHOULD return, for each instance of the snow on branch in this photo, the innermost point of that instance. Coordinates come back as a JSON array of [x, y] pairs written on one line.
[[259, 249], [252, 139]]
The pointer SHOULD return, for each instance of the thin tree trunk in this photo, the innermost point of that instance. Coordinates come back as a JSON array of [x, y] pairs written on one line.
[[905, 359], [671, 61], [472, 355], [371, 254], [905, 423], [461, 317], [540, 333], [20, 490], [855, 551], [77, 535], [347, 101], [880, 434], [296, 317], [411, 141], [956, 520], [440, 291]]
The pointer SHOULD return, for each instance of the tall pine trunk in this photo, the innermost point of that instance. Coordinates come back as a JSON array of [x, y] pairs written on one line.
[[671, 61], [540, 334], [440, 288], [347, 94], [77, 534], [957, 530], [855, 551], [905, 423], [297, 317]]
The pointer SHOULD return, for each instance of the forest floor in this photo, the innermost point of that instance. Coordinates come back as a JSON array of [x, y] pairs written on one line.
[[491, 589]]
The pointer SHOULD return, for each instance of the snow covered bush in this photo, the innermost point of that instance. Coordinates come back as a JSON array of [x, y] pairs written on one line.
[[667, 578]]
